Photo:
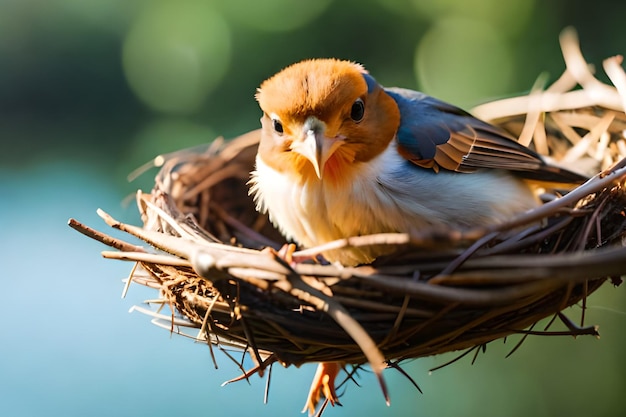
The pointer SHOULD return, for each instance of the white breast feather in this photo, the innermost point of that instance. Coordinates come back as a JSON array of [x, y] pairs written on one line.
[[387, 194]]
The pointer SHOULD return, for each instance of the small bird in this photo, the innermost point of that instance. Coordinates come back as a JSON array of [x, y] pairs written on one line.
[[342, 156]]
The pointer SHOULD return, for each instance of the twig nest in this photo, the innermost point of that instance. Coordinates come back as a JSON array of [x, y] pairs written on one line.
[[438, 291], [432, 295]]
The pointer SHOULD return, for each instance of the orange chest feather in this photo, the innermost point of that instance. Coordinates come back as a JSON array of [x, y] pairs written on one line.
[[340, 168]]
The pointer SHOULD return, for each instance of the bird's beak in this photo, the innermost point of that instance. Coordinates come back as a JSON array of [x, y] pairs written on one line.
[[315, 146]]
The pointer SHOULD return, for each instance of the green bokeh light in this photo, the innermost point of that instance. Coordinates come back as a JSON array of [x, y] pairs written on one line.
[[508, 17], [107, 15], [175, 54], [400, 7], [463, 61], [274, 15]]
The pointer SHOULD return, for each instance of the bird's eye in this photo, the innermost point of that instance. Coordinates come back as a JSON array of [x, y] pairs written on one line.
[[278, 126], [358, 110]]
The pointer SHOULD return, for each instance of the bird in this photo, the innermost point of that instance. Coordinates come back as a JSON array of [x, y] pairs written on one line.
[[340, 155]]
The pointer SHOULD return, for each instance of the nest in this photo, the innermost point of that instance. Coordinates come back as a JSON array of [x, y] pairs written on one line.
[[437, 292]]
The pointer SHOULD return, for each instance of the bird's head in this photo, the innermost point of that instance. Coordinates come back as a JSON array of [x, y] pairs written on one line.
[[322, 116]]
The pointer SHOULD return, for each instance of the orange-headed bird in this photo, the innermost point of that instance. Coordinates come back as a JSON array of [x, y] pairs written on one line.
[[342, 156]]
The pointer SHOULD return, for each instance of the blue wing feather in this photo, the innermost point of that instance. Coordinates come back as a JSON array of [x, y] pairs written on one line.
[[434, 134], [421, 125]]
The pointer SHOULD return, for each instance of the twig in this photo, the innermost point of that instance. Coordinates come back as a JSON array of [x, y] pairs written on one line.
[[103, 238]]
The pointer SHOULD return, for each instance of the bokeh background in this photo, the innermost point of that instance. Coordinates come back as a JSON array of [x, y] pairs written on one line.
[[91, 89]]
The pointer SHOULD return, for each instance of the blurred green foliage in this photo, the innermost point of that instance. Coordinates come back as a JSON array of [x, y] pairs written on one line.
[[87, 78]]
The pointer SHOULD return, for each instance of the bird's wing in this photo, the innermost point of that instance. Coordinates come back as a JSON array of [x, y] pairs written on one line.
[[437, 135]]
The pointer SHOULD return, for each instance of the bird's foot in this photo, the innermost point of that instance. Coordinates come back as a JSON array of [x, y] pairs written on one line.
[[323, 384], [286, 253]]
